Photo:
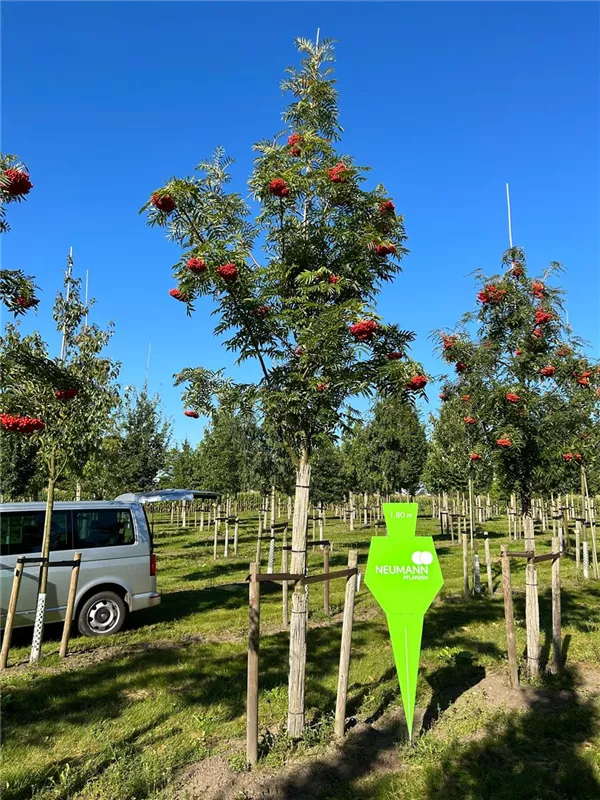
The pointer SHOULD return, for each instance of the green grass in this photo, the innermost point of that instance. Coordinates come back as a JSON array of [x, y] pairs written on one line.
[[121, 715]]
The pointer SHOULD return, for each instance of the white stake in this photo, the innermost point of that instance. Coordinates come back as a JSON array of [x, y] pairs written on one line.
[[509, 220]]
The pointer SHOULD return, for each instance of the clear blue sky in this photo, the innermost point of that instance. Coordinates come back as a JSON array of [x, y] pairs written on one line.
[[446, 102]]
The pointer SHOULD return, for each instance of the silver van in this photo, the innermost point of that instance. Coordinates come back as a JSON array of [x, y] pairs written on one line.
[[118, 566]]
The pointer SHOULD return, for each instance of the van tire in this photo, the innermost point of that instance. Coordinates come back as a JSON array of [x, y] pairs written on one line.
[[102, 614]]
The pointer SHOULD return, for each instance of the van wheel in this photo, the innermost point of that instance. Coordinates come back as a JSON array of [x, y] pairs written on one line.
[[101, 614]]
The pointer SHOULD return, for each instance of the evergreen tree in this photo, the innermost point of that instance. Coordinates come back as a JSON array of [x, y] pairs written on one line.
[[328, 479], [144, 445], [305, 307]]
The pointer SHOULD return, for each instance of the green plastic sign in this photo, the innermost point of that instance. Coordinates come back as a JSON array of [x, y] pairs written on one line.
[[404, 575]]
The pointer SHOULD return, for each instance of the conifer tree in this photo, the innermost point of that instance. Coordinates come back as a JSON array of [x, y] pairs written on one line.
[[304, 308]]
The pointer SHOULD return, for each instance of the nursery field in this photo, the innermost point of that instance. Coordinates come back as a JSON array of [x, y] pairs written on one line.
[[159, 709]]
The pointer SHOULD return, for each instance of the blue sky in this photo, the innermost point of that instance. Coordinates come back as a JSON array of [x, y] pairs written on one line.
[[445, 101]]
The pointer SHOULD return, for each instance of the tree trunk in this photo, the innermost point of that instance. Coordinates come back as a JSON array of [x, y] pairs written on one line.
[[38, 628], [298, 622]]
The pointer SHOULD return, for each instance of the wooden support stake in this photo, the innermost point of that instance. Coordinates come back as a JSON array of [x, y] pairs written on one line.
[[253, 645], [326, 583], [465, 548], [556, 633], [509, 617], [532, 619], [488, 563], [342, 690], [64, 644], [284, 584], [236, 533], [10, 614], [297, 669]]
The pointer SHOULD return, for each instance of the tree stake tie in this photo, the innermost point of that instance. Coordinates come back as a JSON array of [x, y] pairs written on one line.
[[404, 576]]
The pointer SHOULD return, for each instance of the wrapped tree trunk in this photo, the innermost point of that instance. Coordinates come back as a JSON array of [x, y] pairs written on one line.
[[298, 621], [38, 628]]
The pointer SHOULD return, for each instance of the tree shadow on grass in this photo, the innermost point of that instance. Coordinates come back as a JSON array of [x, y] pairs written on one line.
[[535, 754]]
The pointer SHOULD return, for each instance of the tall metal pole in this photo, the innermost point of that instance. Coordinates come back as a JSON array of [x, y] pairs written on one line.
[[510, 241]]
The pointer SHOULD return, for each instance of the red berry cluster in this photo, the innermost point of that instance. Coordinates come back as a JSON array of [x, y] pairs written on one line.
[[512, 398], [228, 272], [14, 422], [538, 333], [475, 457], [416, 382], [192, 414], [364, 330], [279, 188], [183, 297], [66, 394], [518, 352], [25, 302], [322, 386], [333, 279], [262, 311], [584, 378], [396, 355], [504, 442], [461, 366], [564, 351], [18, 182], [385, 249], [164, 203], [538, 289], [339, 173], [196, 265], [516, 270], [295, 142], [547, 372], [491, 294], [299, 351], [470, 420], [542, 317], [448, 341], [443, 397], [387, 207], [466, 398], [571, 456]]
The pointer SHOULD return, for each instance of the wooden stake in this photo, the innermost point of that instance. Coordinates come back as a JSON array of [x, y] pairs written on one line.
[[488, 563], [465, 547], [342, 690], [556, 632], [326, 583], [284, 584], [64, 644], [532, 619], [509, 617], [236, 532], [253, 645], [10, 614]]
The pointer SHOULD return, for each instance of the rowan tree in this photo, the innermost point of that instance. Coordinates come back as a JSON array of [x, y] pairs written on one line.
[[521, 376], [304, 307], [63, 403]]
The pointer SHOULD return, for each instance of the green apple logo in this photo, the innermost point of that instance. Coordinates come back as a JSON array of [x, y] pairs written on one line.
[[404, 576]]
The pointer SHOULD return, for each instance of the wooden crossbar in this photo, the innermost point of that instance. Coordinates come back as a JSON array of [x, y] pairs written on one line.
[[303, 579]]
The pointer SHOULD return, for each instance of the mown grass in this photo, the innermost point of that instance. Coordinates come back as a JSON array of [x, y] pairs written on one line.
[[121, 715]]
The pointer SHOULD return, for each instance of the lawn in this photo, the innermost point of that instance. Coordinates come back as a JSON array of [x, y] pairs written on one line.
[[121, 716]]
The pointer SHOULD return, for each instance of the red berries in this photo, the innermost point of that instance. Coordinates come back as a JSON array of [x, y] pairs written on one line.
[[385, 249], [262, 311], [66, 394], [339, 173], [299, 351], [322, 386], [164, 203], [279, 188], [396, 355], [333, 279], [461, 366], [475, 457], [542, 317], [228, 272], [192, 414], [443, 397], [416, 382], [448, 341], [470, 420], [578, 457], [564, 351], [19, 424], [567, 456], [183, 297], [491, 294], [196, 265], [504, 442], [512, 398], [364, 330], [583, 381], [538, 333], [387, 207], [547, 372], [516, 270], [466, 398], [538, 289], [25, 302], [295, 141], [518, 352], [18, 182]]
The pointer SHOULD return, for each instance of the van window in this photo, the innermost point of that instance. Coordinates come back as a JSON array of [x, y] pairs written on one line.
[[22, 532], [102, 528]]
